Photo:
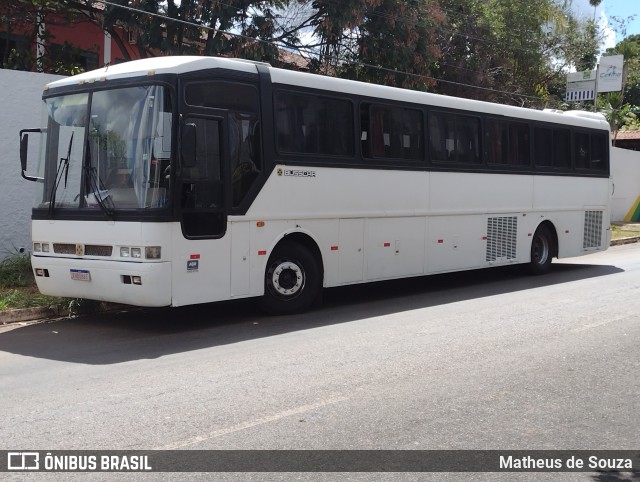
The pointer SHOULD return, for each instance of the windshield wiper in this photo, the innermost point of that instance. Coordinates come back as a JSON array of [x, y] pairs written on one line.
[[63, 168], [99, 192]]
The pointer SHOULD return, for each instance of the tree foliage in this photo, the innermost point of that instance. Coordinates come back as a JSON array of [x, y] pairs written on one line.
[[499, 50]]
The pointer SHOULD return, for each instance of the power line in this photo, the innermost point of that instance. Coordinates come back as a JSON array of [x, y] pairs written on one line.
[[356, 63]]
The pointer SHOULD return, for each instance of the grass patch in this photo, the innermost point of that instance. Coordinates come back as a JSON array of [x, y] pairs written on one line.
[[11, 299], [18, 288], [16, 272], [619, 231]]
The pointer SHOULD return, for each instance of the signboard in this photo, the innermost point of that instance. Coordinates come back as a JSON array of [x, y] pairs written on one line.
[[610, 73], [581, 86]]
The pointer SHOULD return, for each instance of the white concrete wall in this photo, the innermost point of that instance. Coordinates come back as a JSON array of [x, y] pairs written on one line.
[[625, 171], [20, 104]]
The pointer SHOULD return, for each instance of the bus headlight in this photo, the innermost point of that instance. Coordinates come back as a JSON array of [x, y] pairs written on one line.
[[40, 247], [125, 252], [136, 253], [153, 252]]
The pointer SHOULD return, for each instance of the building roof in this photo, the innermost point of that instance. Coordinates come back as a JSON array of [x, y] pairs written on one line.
[[628, 135]]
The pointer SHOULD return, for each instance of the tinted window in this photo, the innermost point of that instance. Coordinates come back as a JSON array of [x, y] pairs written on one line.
[[310, 124], [391, 132], [599, 152], [507, 143], [543, 147], [454, 138], [590, 151], [562, 148], [241, 100], [222, 95]]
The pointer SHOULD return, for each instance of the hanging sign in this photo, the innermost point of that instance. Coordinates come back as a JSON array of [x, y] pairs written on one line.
[[581, 86], [610, 73]]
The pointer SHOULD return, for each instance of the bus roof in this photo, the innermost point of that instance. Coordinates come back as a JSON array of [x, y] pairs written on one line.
[[185, 64]]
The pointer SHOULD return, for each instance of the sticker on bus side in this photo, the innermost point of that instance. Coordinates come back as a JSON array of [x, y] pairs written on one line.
[[192, 265]]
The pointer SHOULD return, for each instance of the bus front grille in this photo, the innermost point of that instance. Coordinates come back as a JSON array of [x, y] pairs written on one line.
[[60, 248], [97, 250], [86, 250]]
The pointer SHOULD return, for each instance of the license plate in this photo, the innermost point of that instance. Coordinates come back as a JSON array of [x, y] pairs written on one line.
[[81, 274]]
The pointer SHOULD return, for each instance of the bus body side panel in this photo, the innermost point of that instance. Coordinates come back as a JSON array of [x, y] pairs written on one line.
[[407, 223], [201, 269], [566, 200], [455, 242], [395, 247]]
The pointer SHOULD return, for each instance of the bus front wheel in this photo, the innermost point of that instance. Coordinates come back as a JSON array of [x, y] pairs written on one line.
[[292, 280], [541, 251]]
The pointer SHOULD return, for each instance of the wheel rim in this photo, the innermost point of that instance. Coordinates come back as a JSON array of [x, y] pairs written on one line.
[[286, 279], [540, 250]]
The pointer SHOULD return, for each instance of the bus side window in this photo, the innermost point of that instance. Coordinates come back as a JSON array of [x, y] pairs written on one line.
[[582, 150], [599, 152], [309, 124], [543, 147], [562, 148], [244, 133]]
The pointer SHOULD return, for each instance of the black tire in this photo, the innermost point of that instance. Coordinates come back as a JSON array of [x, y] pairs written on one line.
[[292, 281], [541, 251]]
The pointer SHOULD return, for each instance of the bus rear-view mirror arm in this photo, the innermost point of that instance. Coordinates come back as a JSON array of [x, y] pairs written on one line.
[[188, 146], [24, 148]]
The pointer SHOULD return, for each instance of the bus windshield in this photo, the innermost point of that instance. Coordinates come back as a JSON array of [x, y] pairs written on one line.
[[108, 150]]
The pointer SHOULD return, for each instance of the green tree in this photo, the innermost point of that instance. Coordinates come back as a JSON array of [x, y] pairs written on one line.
[[613, 107], [630, 49], [512, 51]]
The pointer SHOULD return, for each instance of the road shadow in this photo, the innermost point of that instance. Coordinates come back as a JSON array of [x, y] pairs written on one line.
[[111, 338]]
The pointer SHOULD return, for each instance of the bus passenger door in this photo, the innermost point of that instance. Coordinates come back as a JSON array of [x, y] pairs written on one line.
[[201, 244], [202, 194]]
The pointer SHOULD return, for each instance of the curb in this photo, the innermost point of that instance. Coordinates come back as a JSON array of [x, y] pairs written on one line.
[[621, 241], [37, 314], [23, 315], [26, 314]]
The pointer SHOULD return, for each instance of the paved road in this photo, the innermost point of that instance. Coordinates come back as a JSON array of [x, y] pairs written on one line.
[[492, 359]]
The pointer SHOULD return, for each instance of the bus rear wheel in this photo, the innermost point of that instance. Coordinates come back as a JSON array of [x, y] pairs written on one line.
[[292, 280], [541, 251]]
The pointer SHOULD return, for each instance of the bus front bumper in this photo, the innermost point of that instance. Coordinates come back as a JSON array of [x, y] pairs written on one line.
[[139, 284]]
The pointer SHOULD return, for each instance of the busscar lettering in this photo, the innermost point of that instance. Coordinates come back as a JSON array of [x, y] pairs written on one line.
[[299, 173], [529, 463]]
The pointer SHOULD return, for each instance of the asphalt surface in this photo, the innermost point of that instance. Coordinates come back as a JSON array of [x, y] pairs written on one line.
[[491, 359]]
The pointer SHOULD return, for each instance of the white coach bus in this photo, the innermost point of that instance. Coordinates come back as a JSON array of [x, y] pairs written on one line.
[[182, 180]]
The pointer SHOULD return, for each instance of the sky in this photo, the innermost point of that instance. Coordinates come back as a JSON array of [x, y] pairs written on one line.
[[605, 13]]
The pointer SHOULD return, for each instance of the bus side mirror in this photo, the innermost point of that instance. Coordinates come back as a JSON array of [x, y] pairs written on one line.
[[24, 149], [188, 145]]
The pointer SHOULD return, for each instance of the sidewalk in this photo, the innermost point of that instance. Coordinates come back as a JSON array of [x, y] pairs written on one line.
[[28, 315]]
